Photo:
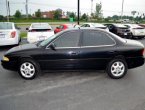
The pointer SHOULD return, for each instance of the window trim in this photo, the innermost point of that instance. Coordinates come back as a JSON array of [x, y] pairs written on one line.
[[98, 45]]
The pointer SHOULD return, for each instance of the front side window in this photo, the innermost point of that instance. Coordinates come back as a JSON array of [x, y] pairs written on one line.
[[68, 39], [96, 38]]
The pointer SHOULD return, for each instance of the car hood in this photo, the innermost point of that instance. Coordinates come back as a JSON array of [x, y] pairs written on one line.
[[22, 48]]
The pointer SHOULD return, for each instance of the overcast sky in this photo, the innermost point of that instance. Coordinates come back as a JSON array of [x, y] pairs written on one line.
[[109, 7]]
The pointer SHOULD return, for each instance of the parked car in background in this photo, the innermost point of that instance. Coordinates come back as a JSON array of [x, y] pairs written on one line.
[[95, 25], [9, 34], [136, 30], [76, 49], [142, 25], [120, 30], [64, 27], [38, 32]]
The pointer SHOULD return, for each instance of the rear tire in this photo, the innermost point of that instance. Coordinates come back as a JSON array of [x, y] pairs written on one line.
[[28, 69], [117, 68]]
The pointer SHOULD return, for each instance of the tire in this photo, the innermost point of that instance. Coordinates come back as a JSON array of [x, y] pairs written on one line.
[[117, 68], [28, 69]]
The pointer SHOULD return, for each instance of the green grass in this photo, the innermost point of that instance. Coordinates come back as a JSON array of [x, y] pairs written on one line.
[[23, 34]]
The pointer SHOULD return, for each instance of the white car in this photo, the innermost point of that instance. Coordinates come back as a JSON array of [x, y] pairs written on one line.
[[136, 30], [95, 25], [38, 32], [9, 34]]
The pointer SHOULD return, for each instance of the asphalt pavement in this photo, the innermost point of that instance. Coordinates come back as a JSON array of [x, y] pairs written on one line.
[[92, 90]]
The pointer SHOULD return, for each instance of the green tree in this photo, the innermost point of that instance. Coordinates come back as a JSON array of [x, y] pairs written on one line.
[[57, 13], [38, 13], [98, 13], [71, 14], [84, 17], [17, 14]]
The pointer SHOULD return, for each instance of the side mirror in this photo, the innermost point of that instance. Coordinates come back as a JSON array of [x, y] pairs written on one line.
[[27, 28], [52, 46]]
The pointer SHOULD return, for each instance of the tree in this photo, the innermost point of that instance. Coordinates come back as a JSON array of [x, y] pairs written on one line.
[[17, 14], [71, 14], [84, 17], [98, 13], [133, 13], [38, 13], [1, 17], [57, 13]]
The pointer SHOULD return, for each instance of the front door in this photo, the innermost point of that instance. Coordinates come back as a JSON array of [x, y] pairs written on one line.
[[66, 53]]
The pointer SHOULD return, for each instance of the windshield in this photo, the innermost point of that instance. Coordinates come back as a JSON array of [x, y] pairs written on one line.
[[121, 39], [45, 42], [120, 25], [98, 25], [5, 26], [41, 26]]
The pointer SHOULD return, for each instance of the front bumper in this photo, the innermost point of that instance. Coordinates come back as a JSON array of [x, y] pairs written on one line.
[[10, 65]]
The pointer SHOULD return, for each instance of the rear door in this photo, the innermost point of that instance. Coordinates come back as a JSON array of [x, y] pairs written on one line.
[[66, 53], [97, 48]]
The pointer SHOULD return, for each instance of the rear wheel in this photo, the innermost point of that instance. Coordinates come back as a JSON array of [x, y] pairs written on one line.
[[117, 68], [28, 69]]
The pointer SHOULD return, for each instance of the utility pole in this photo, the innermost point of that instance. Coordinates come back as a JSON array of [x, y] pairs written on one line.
[[78, 12], [7, 10], [26, 6], [122, 9], [91, 6]]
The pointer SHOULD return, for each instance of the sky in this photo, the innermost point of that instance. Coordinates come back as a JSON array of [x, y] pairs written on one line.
[[109, 7]]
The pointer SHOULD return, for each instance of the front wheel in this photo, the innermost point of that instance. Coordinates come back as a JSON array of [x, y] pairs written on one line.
[[28, 69], [117, 68]]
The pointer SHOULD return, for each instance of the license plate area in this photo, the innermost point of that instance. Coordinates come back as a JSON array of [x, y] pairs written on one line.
[[42, 37], [2, 36]]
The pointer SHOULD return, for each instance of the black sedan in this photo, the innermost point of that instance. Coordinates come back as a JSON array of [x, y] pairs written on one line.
[[120, 30], [76, 49]]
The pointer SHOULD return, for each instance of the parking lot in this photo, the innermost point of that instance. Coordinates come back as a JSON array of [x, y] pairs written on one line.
[[91, 90]]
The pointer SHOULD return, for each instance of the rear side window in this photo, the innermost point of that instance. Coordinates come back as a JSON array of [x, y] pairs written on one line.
[[68, 39], [96, 38]]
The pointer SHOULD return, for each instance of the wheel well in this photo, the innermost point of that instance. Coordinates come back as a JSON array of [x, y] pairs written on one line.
[[119, 57]]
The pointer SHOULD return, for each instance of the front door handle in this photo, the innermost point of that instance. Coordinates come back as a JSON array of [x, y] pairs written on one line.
[[73, 53]]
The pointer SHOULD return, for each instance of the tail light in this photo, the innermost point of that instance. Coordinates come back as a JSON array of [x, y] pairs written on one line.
[[143, 51], [13, 34]]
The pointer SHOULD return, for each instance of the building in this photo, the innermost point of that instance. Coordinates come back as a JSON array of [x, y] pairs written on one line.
[[48, 14]]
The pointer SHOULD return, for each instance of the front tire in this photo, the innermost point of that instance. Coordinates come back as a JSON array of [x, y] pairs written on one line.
[[28, 69], [117, 68]]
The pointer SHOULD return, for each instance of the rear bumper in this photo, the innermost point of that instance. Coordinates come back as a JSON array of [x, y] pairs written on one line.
[[128, 35], [11, 65], [11, 41], [135, 62]]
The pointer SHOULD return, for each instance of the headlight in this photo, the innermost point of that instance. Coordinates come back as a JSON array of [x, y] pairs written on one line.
[[5, 58]]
